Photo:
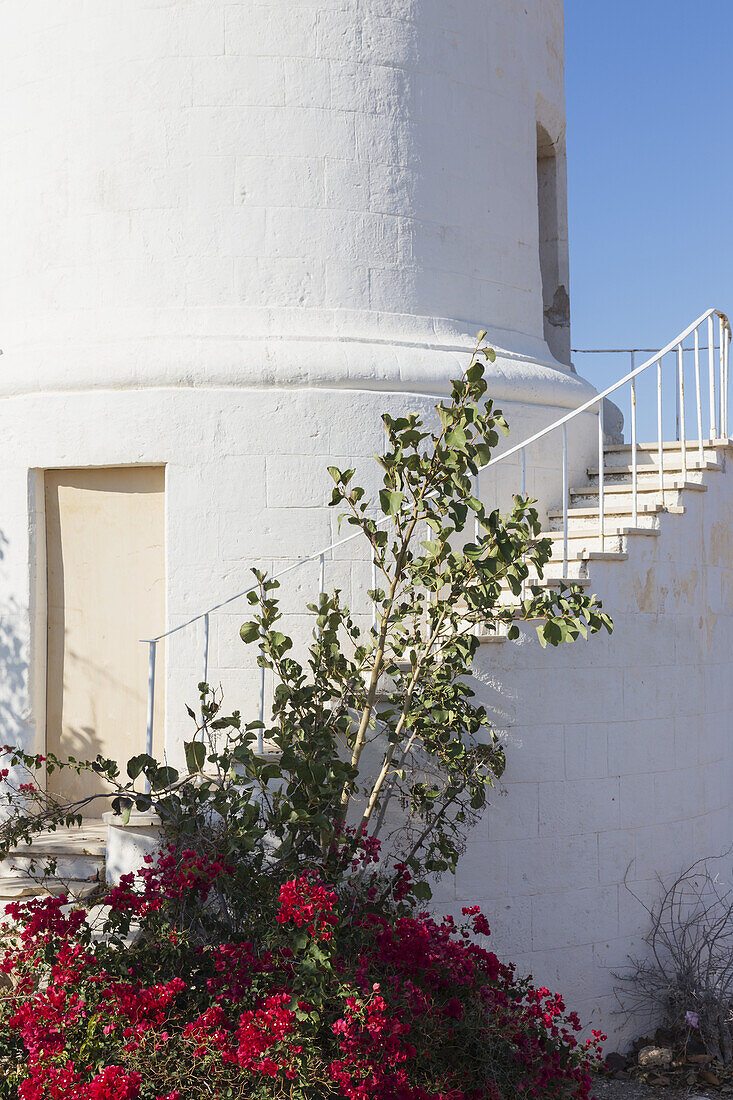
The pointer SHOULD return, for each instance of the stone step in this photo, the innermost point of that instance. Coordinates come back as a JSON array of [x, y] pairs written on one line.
[[555, 582], [590, 551], [611, 530], [670, 445], [615, 521], [648, 488], [15, 888], [674, 465], [611, 507], [79, 853], [649, 452], [586, 554], [62, 866]]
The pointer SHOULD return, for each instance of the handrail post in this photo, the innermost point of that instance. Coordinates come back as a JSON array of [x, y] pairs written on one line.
[[564, 500], [698, 399], [524, 493], [206, 648], [711, 379], [681, 398], [150, 716], [721, 375], [634, 456], [476, 524], [726, 356], [601, 478], [152, 646], [477, 536], [660, 438]]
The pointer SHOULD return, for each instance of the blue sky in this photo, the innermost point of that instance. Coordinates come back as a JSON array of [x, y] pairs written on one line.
[[649, 98]]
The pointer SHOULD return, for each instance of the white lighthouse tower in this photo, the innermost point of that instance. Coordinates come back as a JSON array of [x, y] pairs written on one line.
[[234, 233]]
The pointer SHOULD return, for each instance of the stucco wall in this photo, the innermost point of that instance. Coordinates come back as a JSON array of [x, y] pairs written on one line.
[[620, 758], [245, 484], [262, 190]]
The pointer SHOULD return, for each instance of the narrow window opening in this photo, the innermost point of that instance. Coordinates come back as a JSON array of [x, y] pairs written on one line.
[[553, 249]]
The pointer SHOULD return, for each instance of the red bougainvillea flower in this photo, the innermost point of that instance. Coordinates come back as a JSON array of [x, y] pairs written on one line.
[[306, 901]]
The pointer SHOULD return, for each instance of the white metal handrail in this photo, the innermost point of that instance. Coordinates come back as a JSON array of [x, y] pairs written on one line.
[[717, 416]]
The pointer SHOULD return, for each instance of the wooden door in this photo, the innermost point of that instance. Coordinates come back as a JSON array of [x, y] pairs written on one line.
[[105, 557]]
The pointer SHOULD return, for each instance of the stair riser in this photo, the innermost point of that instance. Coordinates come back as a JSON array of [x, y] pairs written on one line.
[[620, 503], [577, 548], [623, 507], [647, 480], [67, 867], [615, 458], [580, 526], [26, 891]]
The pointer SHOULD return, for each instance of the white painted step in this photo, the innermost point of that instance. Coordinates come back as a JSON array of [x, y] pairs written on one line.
[[620, 453], [591, 531], [613, 507], [588, 553], [79, 853], [671, 445], [620, 492], [672, 464], [15, 888]]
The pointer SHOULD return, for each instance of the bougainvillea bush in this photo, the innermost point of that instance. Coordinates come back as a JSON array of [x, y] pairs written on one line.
[[332, 994]]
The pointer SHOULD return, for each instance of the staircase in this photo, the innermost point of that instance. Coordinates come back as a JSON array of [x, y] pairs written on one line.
[[67, 861], [682, 478], [620, 523]]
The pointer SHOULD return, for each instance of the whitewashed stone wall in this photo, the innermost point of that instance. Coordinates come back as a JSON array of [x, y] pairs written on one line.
[[239, 191], [246, 484], [620, 760]]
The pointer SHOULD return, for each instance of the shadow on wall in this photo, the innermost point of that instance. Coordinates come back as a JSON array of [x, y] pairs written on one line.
[[82, 741], [13, 668], [13, 676]]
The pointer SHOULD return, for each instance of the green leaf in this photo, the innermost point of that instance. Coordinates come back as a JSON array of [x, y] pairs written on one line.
[[456, 437], [163, 777], [137, 763], [422, 891], [391, 501], [195, 755], [250, 632]]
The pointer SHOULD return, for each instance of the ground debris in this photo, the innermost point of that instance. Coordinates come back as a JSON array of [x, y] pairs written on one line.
[[667, 1066]]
